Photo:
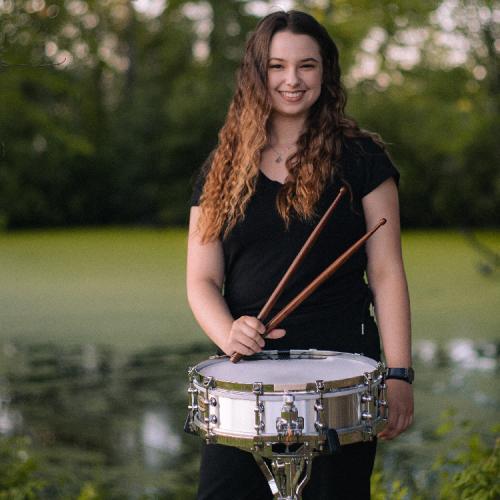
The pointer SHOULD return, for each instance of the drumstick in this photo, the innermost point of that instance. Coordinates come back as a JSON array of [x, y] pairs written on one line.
[[235, 357], [306, 292], [327, 273], [300, 256]]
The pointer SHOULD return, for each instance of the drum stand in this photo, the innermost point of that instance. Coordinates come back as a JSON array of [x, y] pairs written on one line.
[[285, 455], [289, 478]]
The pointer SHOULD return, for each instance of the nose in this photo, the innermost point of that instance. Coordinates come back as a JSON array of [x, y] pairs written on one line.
[[292, 77]]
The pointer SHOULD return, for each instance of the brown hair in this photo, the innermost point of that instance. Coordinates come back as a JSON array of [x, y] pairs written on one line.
[[234, 164]]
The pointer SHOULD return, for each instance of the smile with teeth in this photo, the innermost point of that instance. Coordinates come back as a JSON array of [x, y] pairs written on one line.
[[292, 96]]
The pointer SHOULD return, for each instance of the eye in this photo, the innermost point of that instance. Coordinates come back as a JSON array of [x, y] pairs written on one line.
[[308, 66], [275, 66]]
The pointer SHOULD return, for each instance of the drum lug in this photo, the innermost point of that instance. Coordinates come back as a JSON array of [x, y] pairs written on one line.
[[367, 407], [320, 424], [193, 401], [208, 383], [289, 425], [382, 405], [257, 446], [258, 390]]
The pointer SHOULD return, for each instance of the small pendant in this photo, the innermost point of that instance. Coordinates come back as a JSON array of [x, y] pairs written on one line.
[[278, 160]]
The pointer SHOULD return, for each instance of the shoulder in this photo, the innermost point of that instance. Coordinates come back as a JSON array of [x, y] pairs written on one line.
[[362, 147], [365, 164]]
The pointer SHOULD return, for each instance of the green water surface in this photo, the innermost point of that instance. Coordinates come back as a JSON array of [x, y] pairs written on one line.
[[125, 287]]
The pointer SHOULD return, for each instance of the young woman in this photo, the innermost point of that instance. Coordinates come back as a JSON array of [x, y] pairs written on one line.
[[284, 151]]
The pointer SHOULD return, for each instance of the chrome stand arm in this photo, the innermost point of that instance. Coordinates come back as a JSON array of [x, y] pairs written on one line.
[[267, 474], [291, 472]]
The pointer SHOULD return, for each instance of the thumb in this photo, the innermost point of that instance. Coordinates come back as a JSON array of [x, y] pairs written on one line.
[[277, 333]]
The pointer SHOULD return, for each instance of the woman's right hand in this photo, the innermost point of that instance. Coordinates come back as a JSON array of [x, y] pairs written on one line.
[[245, 336]]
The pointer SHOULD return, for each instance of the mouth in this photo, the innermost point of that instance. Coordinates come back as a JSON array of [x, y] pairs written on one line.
[[294, 96]]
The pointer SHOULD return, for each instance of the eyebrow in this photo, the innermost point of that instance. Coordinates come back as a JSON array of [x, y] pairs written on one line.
[[302, 60]]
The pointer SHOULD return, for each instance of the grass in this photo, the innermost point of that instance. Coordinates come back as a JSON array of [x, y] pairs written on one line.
[[120, 287], [450, 297], [125, 287]]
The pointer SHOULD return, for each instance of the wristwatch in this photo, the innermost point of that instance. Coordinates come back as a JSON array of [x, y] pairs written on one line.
[[406, 374]]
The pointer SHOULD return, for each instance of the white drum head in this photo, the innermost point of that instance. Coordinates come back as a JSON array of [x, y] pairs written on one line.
[[300, 370]]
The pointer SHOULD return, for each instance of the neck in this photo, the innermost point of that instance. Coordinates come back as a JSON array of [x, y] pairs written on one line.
[[285, 130]]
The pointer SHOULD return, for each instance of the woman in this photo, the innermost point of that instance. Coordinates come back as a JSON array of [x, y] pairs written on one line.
[[284, 151]]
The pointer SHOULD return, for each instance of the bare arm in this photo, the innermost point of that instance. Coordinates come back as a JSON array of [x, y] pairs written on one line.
[[392, 306], [205, 277]]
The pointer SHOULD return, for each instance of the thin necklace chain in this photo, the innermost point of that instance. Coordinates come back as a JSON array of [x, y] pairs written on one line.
[[279, 157]]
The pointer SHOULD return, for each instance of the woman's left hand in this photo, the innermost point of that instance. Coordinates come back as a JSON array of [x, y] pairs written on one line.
[[400, 404]]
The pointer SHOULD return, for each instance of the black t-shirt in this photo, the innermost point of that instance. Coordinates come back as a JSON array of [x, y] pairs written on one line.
[[259, 250]]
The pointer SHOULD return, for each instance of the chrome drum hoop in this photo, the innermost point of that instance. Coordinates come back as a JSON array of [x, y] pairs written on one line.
[[264, 444], [330, 385]]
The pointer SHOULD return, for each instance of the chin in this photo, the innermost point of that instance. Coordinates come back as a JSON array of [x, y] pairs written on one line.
[[291, 112]]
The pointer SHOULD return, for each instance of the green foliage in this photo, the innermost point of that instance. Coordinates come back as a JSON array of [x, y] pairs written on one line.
[[379, 491], [479, 478], [89, 492], [468, 468], [18, 479], [108, 112]]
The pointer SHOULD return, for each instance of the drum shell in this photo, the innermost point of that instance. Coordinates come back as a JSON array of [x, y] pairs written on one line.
[[242, 416], [234, 412]]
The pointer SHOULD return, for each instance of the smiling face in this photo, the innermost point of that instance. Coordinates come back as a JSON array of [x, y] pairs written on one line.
[[294, 74]]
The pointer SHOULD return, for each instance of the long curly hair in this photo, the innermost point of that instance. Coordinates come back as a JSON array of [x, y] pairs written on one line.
[[233, 167]]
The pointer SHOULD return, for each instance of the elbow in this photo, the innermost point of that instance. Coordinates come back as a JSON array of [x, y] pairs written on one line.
[[196, 289], [192, 291], [386, 276]]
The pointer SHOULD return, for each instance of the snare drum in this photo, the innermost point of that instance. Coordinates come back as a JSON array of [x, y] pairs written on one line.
[[276, 398]]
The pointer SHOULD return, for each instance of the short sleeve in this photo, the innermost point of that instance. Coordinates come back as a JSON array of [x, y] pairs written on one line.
[[377, 168]]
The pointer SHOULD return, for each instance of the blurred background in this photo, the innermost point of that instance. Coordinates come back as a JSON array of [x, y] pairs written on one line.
[[107, 110]]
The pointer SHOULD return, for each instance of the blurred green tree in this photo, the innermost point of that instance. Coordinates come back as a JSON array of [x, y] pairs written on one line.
[[107, 110]]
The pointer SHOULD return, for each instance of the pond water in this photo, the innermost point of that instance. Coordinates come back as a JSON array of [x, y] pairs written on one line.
[[117, 420]]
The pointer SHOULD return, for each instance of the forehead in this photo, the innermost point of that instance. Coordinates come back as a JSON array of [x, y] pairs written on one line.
[[291, 46]]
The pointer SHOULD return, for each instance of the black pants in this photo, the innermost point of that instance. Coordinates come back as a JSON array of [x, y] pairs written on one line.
[[232, 474]]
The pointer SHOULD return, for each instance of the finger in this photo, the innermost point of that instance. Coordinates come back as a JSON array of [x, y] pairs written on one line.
[[400, 425], [254, 323], [249, 343], [408, 421], [397, 424], [405, 419], [250, 339], [243, 349], [277, 333], [390, 429], [386, 434], [250, 333]]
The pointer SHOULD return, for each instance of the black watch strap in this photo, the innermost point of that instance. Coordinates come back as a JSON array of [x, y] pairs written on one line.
[[406, 374]]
